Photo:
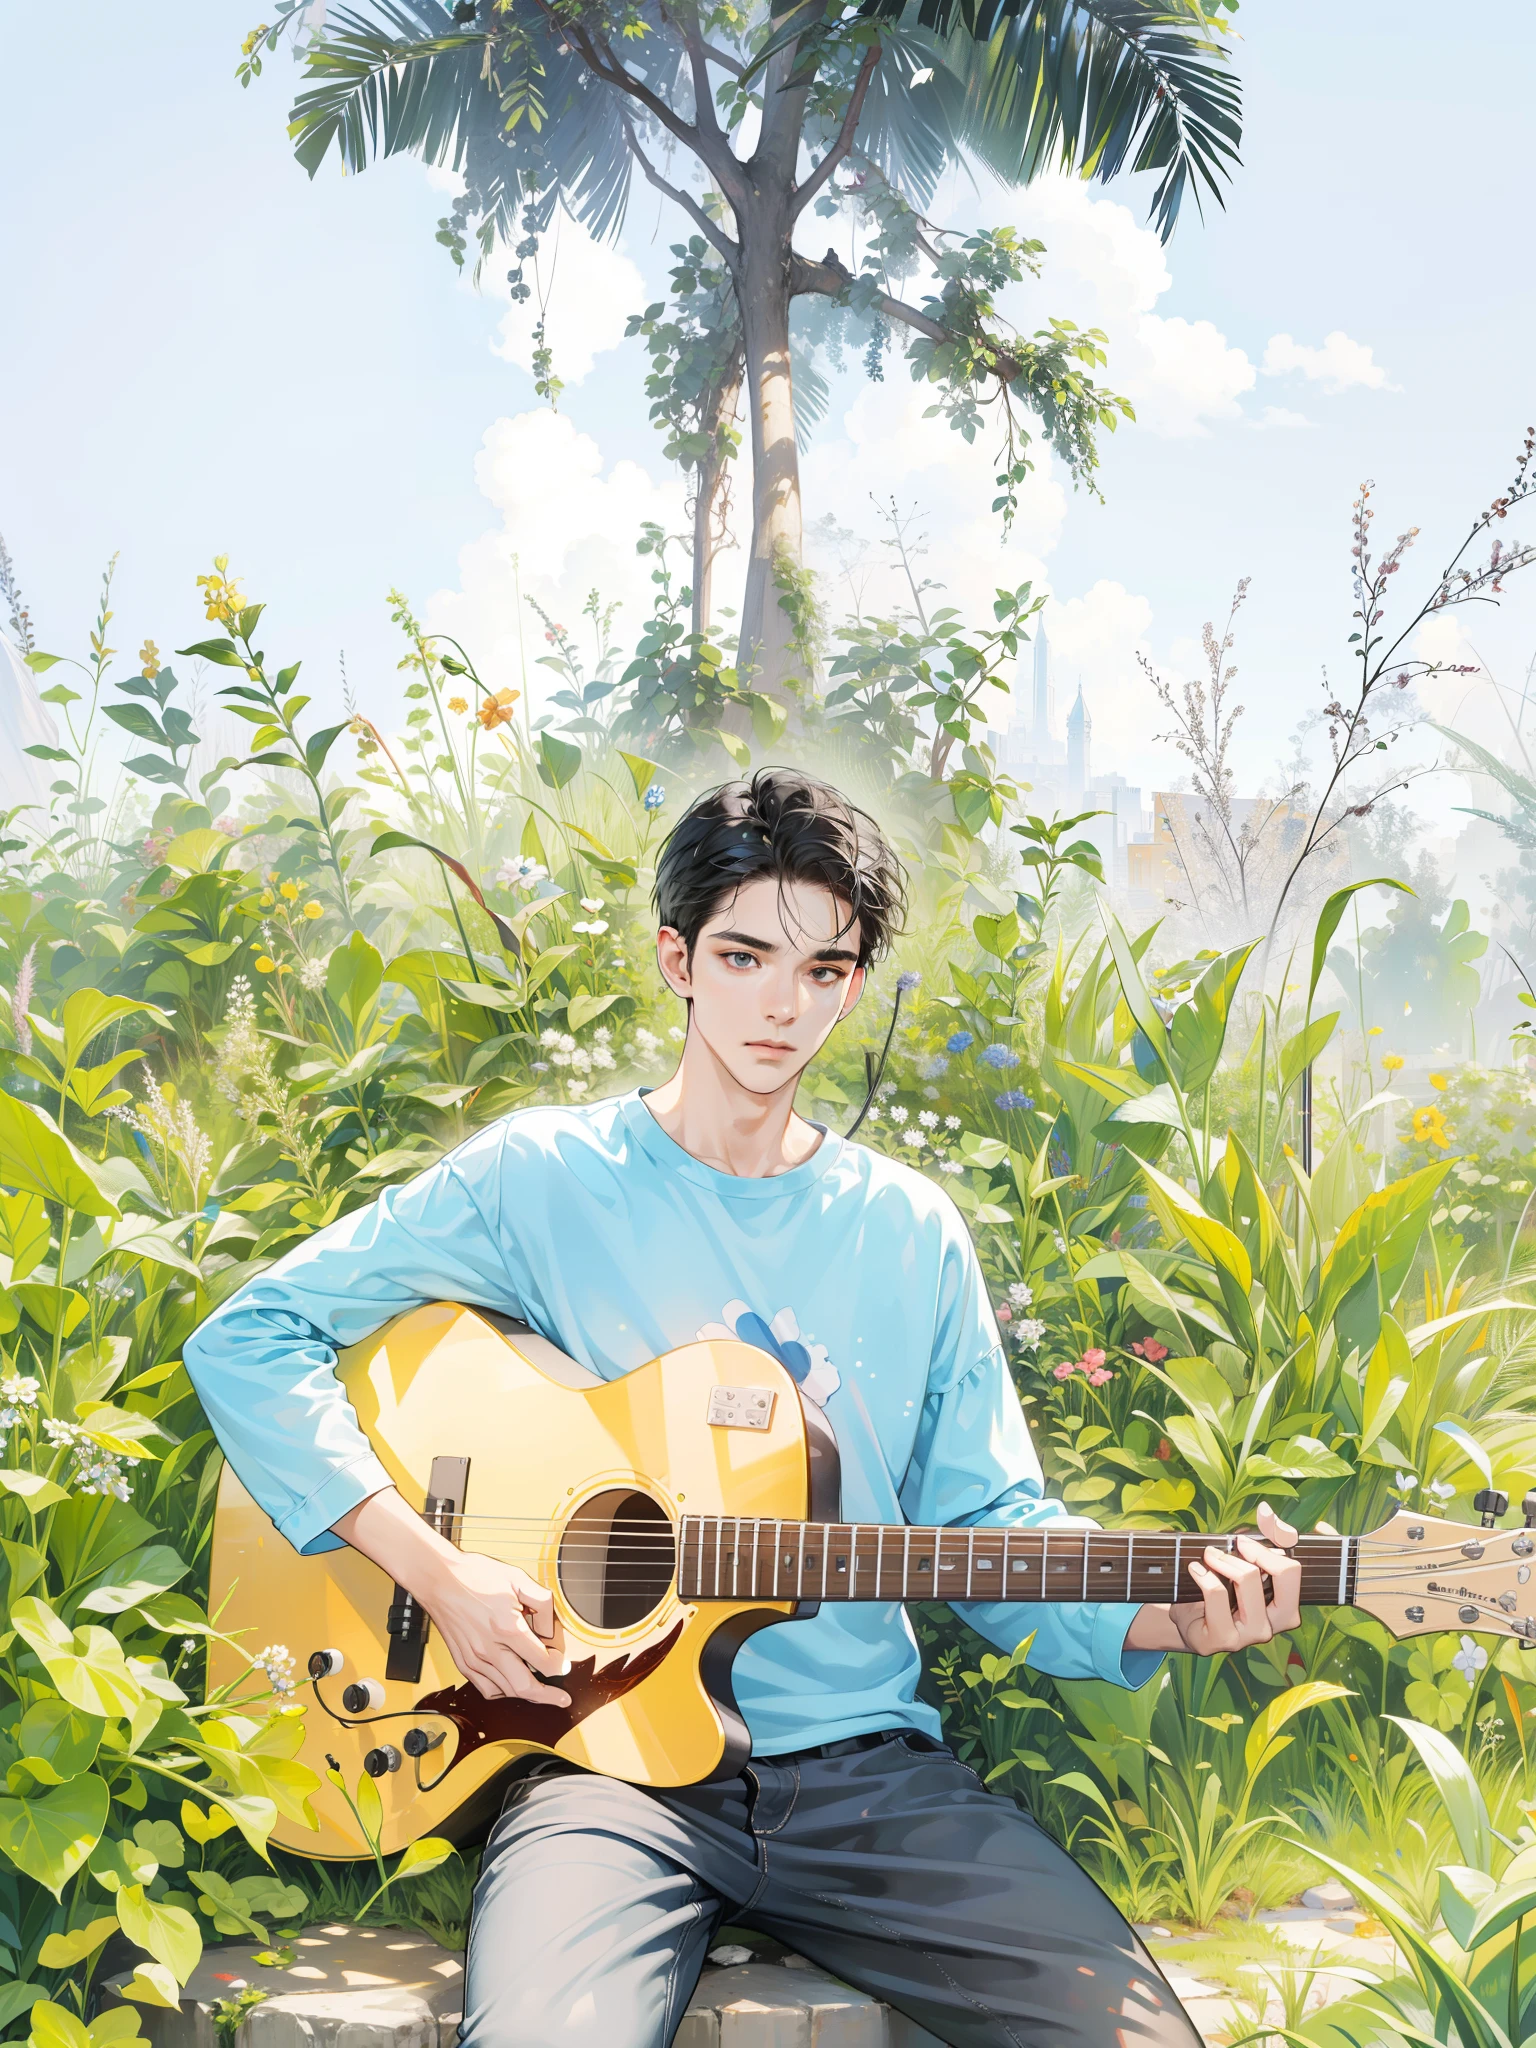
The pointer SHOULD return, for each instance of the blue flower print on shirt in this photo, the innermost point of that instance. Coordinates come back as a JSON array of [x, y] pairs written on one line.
[[807, 1364]]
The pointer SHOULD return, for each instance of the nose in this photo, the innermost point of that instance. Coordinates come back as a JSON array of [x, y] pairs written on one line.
[[782, 1006]]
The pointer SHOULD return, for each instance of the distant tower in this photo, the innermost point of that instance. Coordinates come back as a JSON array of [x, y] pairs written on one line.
[[1042, 732], [1079, 746]]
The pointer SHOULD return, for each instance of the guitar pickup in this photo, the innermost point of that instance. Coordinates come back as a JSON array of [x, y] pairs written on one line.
[[407, 1621], [741, 1407]]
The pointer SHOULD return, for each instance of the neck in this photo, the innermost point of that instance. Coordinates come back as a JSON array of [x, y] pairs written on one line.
[[707, 1111]]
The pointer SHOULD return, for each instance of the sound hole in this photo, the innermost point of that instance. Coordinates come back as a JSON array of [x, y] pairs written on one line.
[[617, 1558]]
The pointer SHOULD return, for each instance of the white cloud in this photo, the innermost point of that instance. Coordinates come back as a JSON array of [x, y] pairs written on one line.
[[1339, 365], [1279, 416], [566, 528], [590, 289], [1095, 640]]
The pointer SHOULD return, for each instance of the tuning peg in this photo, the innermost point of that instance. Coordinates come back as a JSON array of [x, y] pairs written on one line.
[[1528, 1509], [1490, 1504]]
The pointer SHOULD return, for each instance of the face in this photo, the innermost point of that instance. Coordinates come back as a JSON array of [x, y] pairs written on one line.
[[770, 977]]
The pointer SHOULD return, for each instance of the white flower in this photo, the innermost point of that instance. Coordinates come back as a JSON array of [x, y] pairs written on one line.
[[601, 1056], [1405, 1481], [872, 1116], [912, 1136], [591, 902], [898, 1114], [581, 1060], [594, 929], [953, 1166], [312, 975], [951, 1123], [1469, 1659], [17, 1393], [1442, 1489], [1028, 1330], [539, 1067], [676, 1031], [647, 1041], [93, 1469], [602, 1034], [549, 1037], [928, 1120], [576, 1089], [276, 1662], [1020, 1294], [521, 873]]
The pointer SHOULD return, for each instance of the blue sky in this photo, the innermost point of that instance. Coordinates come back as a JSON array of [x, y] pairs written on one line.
[[204, 351]]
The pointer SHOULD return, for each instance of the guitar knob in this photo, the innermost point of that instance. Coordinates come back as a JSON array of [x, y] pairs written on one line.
[[1528, 1509], [417, 1741], [325, 1663], [363, 1696], [378, 1763], [1490, 1504]]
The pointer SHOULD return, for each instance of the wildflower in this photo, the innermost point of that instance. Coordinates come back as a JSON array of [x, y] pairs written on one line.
[[276, 1664], [1004, 1312], [265, 964], [654, 797], [93, 1470], [1020, 1294], [1063, 1372], [1092, 1360], [1470, 1658], [1164, 1450], [521, 873], [576, 1089], [497, 710], [1439, 1080], [905, 983], [149, 661], [959, 1041], [898, 1114], [1429, 1127], [314, 909], [1014, 1098], [593, 929], [312, 975], [998, 1056], [18, 1391], [21, 1002], [931, 1069], [1392, 1062], [951, 1123], [1027, 1330], [1099, 1376], [1406, 1482], [539, 1067], [267, 899], [290, 892], [927, 1119], [458, 705], [1149, 1349], [1374, 1032], [1442, 1490], [591, 903]]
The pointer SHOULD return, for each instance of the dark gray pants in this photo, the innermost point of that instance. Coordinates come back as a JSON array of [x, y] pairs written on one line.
[[890, 1867]]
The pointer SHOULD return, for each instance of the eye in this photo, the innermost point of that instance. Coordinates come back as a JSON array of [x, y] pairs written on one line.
[[825, 975], [739, 960]]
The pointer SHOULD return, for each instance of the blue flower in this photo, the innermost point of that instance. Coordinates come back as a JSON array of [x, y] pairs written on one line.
[[908, 981], [655, 797], [999, 1056], [962, 1041], [931, 1069], [1014, 1098]]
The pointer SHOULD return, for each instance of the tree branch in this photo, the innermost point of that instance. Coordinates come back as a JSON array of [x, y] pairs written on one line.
[[710, 229], [704, 115], [845, 134], [831, 277]]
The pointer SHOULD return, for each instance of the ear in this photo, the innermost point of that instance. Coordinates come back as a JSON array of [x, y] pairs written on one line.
[[856, 982], [672, 959]]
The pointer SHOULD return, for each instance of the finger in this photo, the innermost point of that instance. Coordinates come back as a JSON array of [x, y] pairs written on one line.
[[538, 1600], [1248, 1600], [1281, 1534], [1284, 1572], [513, 1631], [519, 1683], [1220, 1629], [481, 1678]]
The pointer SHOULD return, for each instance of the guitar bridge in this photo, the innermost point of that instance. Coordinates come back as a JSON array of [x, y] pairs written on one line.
[[407, 1622]]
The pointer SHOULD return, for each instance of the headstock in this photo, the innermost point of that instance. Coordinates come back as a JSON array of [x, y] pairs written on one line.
[[1419, 1575]]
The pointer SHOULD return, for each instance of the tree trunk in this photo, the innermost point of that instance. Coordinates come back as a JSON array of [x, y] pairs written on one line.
[[767, 629], [712, 497]]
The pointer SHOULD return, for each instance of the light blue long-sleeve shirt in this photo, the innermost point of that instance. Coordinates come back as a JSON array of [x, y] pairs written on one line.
[[610, 1240]]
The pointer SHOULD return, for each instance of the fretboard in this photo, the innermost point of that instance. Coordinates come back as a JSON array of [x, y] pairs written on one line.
[[722, 1557]]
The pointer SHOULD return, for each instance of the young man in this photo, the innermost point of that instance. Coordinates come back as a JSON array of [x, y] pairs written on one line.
[[625, 1228]]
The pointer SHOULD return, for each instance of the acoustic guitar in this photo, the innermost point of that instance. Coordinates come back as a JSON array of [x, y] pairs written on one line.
[[673, 1512]]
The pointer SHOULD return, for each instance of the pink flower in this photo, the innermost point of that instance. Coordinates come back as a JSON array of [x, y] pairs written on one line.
[[1149, 1349], [1005, 1314], [1092, 1360], [1063, 1372], [1099, 1375]]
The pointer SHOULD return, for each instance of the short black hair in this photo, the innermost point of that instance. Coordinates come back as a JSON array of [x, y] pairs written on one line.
[[786, 825]]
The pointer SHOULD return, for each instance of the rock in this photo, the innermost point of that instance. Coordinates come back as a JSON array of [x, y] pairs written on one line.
[[761, 2005], [347, 1987], [730, 1953], [1331, 1897]]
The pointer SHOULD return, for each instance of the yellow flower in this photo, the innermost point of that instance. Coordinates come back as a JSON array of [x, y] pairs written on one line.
[[1439, 1080], [313, 909], [1374, 1032], [1429, 1127], [267, 899], [265, 965], [1392, 1061], [497, 710], [457, 704], [149, 660], [290, 890], [254, 674]]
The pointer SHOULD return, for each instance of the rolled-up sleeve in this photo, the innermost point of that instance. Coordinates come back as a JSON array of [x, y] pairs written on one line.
[[974, 1465], [264, 1363]]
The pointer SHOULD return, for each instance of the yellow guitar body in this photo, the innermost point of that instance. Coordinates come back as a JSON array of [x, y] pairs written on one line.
[[650, 1703]]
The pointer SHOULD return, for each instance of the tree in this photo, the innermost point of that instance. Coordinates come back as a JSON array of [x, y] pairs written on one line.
[[846, 107]]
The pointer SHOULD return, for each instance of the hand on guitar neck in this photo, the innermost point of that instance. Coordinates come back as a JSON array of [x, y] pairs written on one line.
[[498, 1623], [1235, 1611]]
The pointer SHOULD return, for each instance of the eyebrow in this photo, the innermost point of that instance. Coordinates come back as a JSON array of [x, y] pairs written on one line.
[[828, 953]]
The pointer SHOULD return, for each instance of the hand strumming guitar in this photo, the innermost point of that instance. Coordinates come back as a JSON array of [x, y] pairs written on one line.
[[497, 1624]]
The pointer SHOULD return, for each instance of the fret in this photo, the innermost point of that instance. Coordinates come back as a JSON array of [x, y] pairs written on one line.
[[736, 1559], [970, 1562], [880, 1562], [826, 1556], [800, 1574], [1178, 1563], [1045, 1569], [1130, 1553], [906, 1558], [757, 1537], [853, 1560], [1344, 1573]]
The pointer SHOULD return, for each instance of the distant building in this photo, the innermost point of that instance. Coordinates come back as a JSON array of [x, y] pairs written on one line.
[[1042, 731], [1079, 747]]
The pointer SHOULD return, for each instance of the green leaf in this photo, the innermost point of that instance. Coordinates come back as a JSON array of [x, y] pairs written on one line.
[[36, 1159], [15, 1999], [53, 2026], [87, 1666], [1458, 1789], [559, 761], [49, 1835], [319, 744], [642, 772], [424, 1855], [63, 1951], [58, 1741], [32, 1488], [222, 652], [1259, 1747], [133, 1579], [169, 1933], [1298, 1053], [735, 746], [153, 1984], [582, 1009], [769, 718], [24, 1234], [1328, 922]]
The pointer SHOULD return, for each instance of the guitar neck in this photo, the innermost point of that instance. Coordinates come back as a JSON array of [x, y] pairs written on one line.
[[724, 1557]]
